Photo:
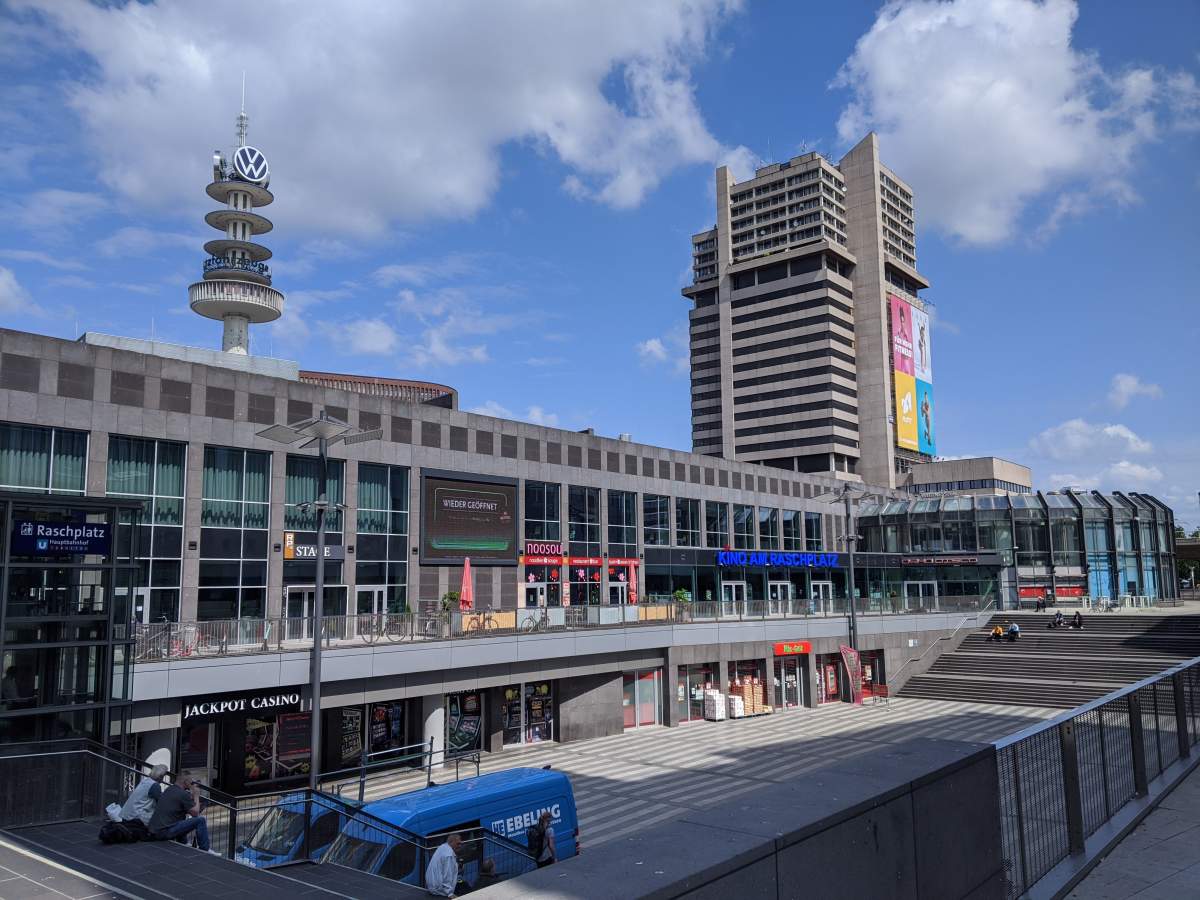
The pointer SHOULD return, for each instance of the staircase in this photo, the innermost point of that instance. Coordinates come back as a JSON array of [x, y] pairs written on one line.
[[1061, 668]]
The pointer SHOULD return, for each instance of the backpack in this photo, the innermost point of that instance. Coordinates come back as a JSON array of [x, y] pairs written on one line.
[[129, 832], [535, 838]]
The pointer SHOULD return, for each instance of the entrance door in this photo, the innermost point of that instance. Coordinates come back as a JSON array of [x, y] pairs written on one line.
[[822, 597], [298, 625], [371, 607], [920, 595], [535, 593], [141, 605], [618, 593], [779, 597], [733, 597], [787, 682]]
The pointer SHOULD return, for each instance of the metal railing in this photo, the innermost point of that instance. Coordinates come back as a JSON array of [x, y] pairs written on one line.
[[225, 637], [972, 621], [75, 780], [1061, 780]]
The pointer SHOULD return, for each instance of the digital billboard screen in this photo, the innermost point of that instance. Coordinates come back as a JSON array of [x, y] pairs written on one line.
[[912, 376], [926, 441], [468, 516]]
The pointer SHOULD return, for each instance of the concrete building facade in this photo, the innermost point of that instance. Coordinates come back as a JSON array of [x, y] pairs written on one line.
[[791, 345]]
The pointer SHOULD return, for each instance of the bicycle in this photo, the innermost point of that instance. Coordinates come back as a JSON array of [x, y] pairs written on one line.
[[392, 626], [534, 624], [482, 623]]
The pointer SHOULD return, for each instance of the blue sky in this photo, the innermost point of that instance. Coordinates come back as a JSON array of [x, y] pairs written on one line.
[[501, 198]]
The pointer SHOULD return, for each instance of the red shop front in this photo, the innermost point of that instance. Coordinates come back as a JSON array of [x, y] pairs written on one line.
[[622, 580]]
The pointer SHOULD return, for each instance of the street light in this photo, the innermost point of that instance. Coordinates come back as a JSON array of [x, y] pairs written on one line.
[[846, 494], [322, 432]]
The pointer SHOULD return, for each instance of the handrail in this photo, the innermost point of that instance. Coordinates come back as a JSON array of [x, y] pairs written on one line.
[[973, 616]]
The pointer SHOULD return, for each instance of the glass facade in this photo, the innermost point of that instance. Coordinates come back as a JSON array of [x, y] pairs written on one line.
[[743, 527], [542, 516], [66, 643], [716, 524], [46, 460], [687, 522], [153, 471], [622, 523], [583, 520], [234, 517], [656, 520], [381, 544]]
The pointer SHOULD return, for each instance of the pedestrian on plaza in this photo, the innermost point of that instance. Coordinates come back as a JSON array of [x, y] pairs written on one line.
[[1077, 620], [1057, 621], [1039, 604], [541, 841], [441, 875], [177, 813], [997, 634], [1014, 631]]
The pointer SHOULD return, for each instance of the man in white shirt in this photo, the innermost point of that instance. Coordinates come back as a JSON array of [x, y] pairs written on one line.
[[441, 876]]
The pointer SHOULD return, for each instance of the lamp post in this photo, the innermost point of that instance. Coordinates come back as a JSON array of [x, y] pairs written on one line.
[[846, 495], [322, 432]]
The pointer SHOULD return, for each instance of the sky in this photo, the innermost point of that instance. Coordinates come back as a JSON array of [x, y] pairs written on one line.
[[500, 197]]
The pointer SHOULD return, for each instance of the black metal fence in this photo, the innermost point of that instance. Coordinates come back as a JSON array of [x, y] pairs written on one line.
[[1061, 780], [73, 780]]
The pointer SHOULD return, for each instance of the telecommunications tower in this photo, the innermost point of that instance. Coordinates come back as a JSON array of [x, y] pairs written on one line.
[[237, 281]]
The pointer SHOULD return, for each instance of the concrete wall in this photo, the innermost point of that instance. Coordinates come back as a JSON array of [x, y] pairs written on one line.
[[589, 707], [918, 820]]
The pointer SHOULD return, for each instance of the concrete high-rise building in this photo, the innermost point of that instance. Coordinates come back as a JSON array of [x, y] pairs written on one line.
[[809, 340]]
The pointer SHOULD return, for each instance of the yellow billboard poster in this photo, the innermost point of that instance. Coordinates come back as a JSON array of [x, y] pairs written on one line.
[[906, 411]]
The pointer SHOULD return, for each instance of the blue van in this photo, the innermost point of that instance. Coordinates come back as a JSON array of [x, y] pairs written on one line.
[[279, 837], [506, 803]]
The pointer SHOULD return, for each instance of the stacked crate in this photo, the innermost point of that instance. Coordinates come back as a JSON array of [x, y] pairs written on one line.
[[714, 705], [752, 694]]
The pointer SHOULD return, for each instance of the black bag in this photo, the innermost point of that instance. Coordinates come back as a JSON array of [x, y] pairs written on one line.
[[127, 832], [535, 838]]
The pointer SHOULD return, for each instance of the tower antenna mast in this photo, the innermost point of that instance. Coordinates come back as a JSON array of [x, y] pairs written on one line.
[[242, 120]]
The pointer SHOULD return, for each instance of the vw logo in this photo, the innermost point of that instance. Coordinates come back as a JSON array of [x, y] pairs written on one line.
[[251, 164]]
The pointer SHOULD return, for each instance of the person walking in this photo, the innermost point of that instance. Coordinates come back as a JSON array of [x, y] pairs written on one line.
[[177, 813], [541, 841], [441, 875]]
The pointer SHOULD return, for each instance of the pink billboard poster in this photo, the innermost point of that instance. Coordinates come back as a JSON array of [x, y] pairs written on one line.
[[902, 335]]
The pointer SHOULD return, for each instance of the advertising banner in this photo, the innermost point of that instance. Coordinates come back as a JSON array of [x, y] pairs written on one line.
[[906, 411], [902, 335], [926, 442], [922, 360], [467, 517]]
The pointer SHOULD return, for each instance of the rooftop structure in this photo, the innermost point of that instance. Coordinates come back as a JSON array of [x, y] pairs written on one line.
[[236, 288]]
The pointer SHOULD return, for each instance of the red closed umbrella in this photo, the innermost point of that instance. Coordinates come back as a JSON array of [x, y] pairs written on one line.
[[466, 595]]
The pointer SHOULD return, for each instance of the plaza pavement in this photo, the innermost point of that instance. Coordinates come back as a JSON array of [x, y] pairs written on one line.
[[628, 782]]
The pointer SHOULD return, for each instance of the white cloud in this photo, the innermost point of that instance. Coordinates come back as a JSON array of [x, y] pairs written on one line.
[[1077, 439], [535, 415], [1133, 474], [652, 350], [671, 349], [137, 241], [417, 274], [367, 337], [390, 112], [72, 281], [46, 259], [13, 297], [1126, 387], [986, 108], [54, 211]]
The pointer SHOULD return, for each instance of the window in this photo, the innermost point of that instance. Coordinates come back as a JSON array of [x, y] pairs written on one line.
[[234, 516], [381, 547], [656, 519], [743, 527], [716, 524], [153, 471], [300, 487], [622, 523], [812, 532], [687, 522], [768, 528], [236, 488], [793, 531], [542, 517], [48, 460], [583, 521]]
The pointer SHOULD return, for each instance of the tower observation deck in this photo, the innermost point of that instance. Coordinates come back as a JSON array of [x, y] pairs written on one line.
[[236, 287]]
